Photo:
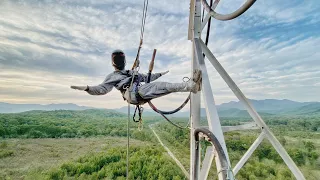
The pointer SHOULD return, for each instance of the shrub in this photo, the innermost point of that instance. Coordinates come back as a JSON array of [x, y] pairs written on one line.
[[4, 154], [56, 174], [3, 144]]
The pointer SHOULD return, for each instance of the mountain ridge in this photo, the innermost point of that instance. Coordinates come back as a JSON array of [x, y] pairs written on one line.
[[16, 108], [267, 107]]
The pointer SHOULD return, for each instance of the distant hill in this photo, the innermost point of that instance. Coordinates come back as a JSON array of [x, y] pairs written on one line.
[[16, 108], [272, 106], [266, 107], [233, 112], [310, 109], [125, 109]]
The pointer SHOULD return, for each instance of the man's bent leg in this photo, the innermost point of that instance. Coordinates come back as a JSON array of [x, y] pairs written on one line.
[[158, 89]]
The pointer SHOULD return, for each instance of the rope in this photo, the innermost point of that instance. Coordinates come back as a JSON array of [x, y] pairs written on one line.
[[128, 140], [144, 17], [143, 23], [209, 23], [135, 67], [166, 118], [173, 111]]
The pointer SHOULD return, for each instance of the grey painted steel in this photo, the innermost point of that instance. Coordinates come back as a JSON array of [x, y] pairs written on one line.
[[252, 125], [207, 161], [213, 120], [195, 98], [253, 113], [191, 19], [197, 20], [195, 123], [225, 17], [211, 110], [247, 155]]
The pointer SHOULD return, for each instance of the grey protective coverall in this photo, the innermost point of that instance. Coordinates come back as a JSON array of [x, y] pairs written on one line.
[[122, 79]]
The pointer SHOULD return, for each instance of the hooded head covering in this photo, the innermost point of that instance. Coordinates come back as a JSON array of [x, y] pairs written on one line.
[[118, 59]]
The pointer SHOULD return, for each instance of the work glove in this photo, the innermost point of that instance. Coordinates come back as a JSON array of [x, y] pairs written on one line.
[[81, 88], [163, 73]]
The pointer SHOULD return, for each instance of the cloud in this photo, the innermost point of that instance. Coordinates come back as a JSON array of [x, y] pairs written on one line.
[[45, 46]]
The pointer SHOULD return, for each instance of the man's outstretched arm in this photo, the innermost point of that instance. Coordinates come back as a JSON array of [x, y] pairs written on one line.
[[100, 89]]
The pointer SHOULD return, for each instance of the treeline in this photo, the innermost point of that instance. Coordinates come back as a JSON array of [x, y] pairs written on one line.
[[293, 126], [292, 123], [68, 124], [306, 123], [88, 123], [145, 163]]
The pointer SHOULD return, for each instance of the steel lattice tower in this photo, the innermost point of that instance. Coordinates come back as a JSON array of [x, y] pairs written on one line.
[[196, 26]]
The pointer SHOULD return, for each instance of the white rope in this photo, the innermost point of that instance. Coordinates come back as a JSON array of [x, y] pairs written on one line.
[[136, 69], [128, 140]]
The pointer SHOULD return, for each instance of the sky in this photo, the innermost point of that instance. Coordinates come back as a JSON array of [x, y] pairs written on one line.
[[271, 51]]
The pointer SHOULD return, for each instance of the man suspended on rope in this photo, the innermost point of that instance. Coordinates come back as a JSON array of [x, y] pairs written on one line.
[[121, 79]]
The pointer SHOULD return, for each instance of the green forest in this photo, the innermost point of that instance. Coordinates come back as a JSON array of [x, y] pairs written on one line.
[[91, 144], [68, 124], [146, 162]]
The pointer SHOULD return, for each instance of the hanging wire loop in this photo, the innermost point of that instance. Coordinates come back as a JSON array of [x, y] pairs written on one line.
[[225, 17]]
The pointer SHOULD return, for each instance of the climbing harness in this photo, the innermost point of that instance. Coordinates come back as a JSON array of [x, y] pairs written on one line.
[[132, 95], [140, 111], [131, 92]]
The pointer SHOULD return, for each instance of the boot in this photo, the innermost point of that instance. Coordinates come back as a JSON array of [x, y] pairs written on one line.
[[197, 80]]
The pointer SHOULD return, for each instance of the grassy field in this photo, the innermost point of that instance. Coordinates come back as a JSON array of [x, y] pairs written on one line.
[[33, 156]]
